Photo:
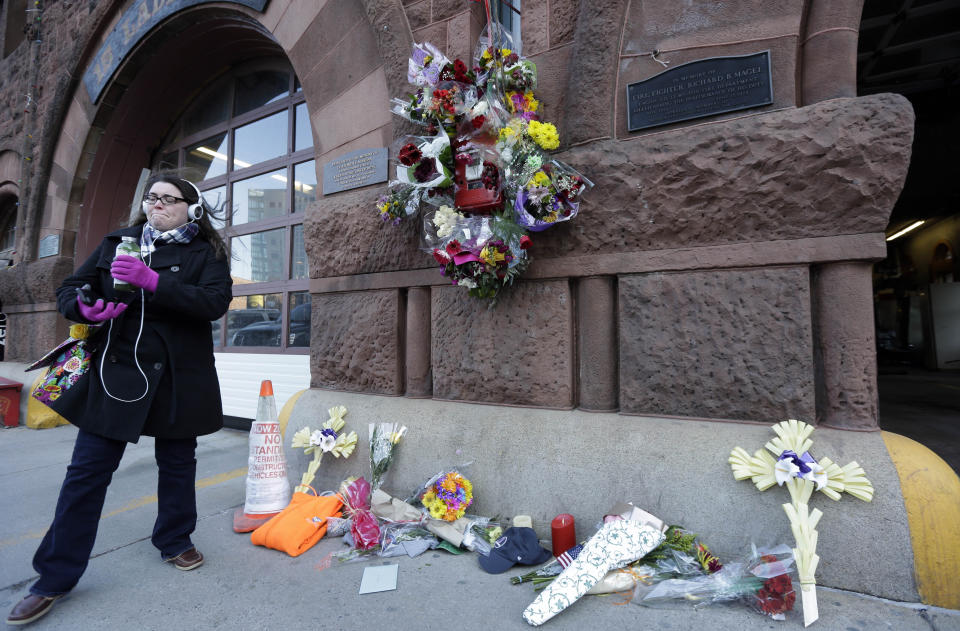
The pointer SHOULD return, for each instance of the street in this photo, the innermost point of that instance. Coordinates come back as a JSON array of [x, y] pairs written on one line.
[[242, 586]]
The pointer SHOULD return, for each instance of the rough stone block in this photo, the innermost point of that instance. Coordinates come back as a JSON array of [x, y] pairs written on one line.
[[374, 245], [355, 342], [476, 359], [563, 20], [832, 168], [725, 344], [534, 26], [418, 14]]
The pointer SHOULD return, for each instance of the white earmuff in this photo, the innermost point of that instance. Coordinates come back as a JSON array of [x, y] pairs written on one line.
[[195, 211]]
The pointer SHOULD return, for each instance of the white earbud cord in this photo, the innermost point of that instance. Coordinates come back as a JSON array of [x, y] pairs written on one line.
[[136, 345]]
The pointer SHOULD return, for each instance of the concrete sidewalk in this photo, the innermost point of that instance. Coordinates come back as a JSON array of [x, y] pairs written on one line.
[[246, 587]]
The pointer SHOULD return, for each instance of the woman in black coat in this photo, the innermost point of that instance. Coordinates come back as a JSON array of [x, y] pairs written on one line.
[[152, 374]]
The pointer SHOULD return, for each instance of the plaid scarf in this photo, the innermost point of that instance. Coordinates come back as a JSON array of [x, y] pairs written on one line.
[[152, 237]]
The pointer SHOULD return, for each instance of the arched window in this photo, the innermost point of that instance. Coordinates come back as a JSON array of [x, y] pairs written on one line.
[[8, 230], [246, 140]]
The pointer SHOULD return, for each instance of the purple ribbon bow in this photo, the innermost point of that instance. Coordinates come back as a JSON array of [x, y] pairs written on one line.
[[802, 462]]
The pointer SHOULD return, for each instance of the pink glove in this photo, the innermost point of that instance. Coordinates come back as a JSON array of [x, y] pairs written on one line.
[[100, 312], [132, 270]]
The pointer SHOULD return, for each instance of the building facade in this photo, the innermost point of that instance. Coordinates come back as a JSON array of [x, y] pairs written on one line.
[[719, 270]]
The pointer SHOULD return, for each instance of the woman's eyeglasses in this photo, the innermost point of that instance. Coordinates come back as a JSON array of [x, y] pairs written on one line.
[[166, 200]]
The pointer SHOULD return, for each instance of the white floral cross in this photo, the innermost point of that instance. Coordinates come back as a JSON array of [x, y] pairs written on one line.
[[802, 475]]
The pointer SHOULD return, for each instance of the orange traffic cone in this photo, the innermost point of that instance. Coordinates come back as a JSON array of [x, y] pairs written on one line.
[[268, 490]]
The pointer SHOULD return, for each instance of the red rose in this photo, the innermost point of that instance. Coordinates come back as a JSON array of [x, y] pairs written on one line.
[[409, 154], [478, 121], [525, 242]]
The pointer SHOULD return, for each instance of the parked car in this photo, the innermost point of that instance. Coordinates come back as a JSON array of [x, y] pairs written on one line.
[[239, 318], [268, 333]]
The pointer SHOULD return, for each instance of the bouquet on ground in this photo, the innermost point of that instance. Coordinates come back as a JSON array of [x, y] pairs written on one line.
[[680, 554], [384, 438], [762, 581], [364, 527], [447, 495], [328, 439]]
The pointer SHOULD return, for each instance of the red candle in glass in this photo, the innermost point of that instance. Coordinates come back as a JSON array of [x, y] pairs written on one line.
[[564, 535]]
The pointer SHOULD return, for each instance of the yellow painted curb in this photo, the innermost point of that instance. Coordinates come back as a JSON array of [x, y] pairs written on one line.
[[931, 494], [287, 410]]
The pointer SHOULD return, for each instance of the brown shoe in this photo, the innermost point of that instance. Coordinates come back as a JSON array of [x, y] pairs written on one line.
[[30, 608], [187, 560]]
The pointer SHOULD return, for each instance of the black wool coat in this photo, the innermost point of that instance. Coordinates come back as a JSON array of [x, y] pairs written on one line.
[[179, 386]]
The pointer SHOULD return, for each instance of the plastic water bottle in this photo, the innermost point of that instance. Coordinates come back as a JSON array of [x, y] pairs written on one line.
[[130, 247]]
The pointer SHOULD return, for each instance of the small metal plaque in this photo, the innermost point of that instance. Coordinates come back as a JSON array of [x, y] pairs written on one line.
[[48, 246], [355, 169], [700, 88]]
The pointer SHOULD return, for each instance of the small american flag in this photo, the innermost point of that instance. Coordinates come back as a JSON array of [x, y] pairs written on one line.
[[567, 557]]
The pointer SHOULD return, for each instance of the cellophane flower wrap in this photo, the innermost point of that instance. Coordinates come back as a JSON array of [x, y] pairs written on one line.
[[763, 582], [550, 196], [476, 253], [485, 153], [425, 162], [364, 528], [447, 496], [384, 438]]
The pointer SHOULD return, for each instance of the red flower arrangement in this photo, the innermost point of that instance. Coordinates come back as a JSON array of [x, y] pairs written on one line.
[[777, 595], [409, 154]]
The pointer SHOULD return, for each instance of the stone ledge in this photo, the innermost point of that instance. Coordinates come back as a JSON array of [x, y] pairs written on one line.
[[769, 253]]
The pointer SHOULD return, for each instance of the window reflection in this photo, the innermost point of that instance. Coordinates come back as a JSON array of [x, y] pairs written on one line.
[[260, 141], [304, 185], [260, 197], [211, 108], [298, 266], [254, 320], [258, 88], [303, 136], [257, 257], [216, 197], [207, 158], [298, 332]]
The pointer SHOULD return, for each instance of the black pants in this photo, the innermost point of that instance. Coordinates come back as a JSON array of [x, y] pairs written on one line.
[[65, 550]]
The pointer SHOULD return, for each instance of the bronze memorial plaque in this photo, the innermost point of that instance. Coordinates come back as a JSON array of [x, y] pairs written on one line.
[[700, 88]]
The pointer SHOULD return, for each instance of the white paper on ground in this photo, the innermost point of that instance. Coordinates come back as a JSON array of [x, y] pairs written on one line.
[[379, 578]]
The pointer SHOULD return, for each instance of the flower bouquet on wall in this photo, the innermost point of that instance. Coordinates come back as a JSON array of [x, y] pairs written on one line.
[[484, 155]]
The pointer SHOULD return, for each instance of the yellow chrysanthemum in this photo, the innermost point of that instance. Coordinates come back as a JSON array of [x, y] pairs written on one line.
[[505, 132], [544, 134], [541, 179]]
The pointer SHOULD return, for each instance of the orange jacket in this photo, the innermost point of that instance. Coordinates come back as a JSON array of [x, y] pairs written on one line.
[[298, 526]]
